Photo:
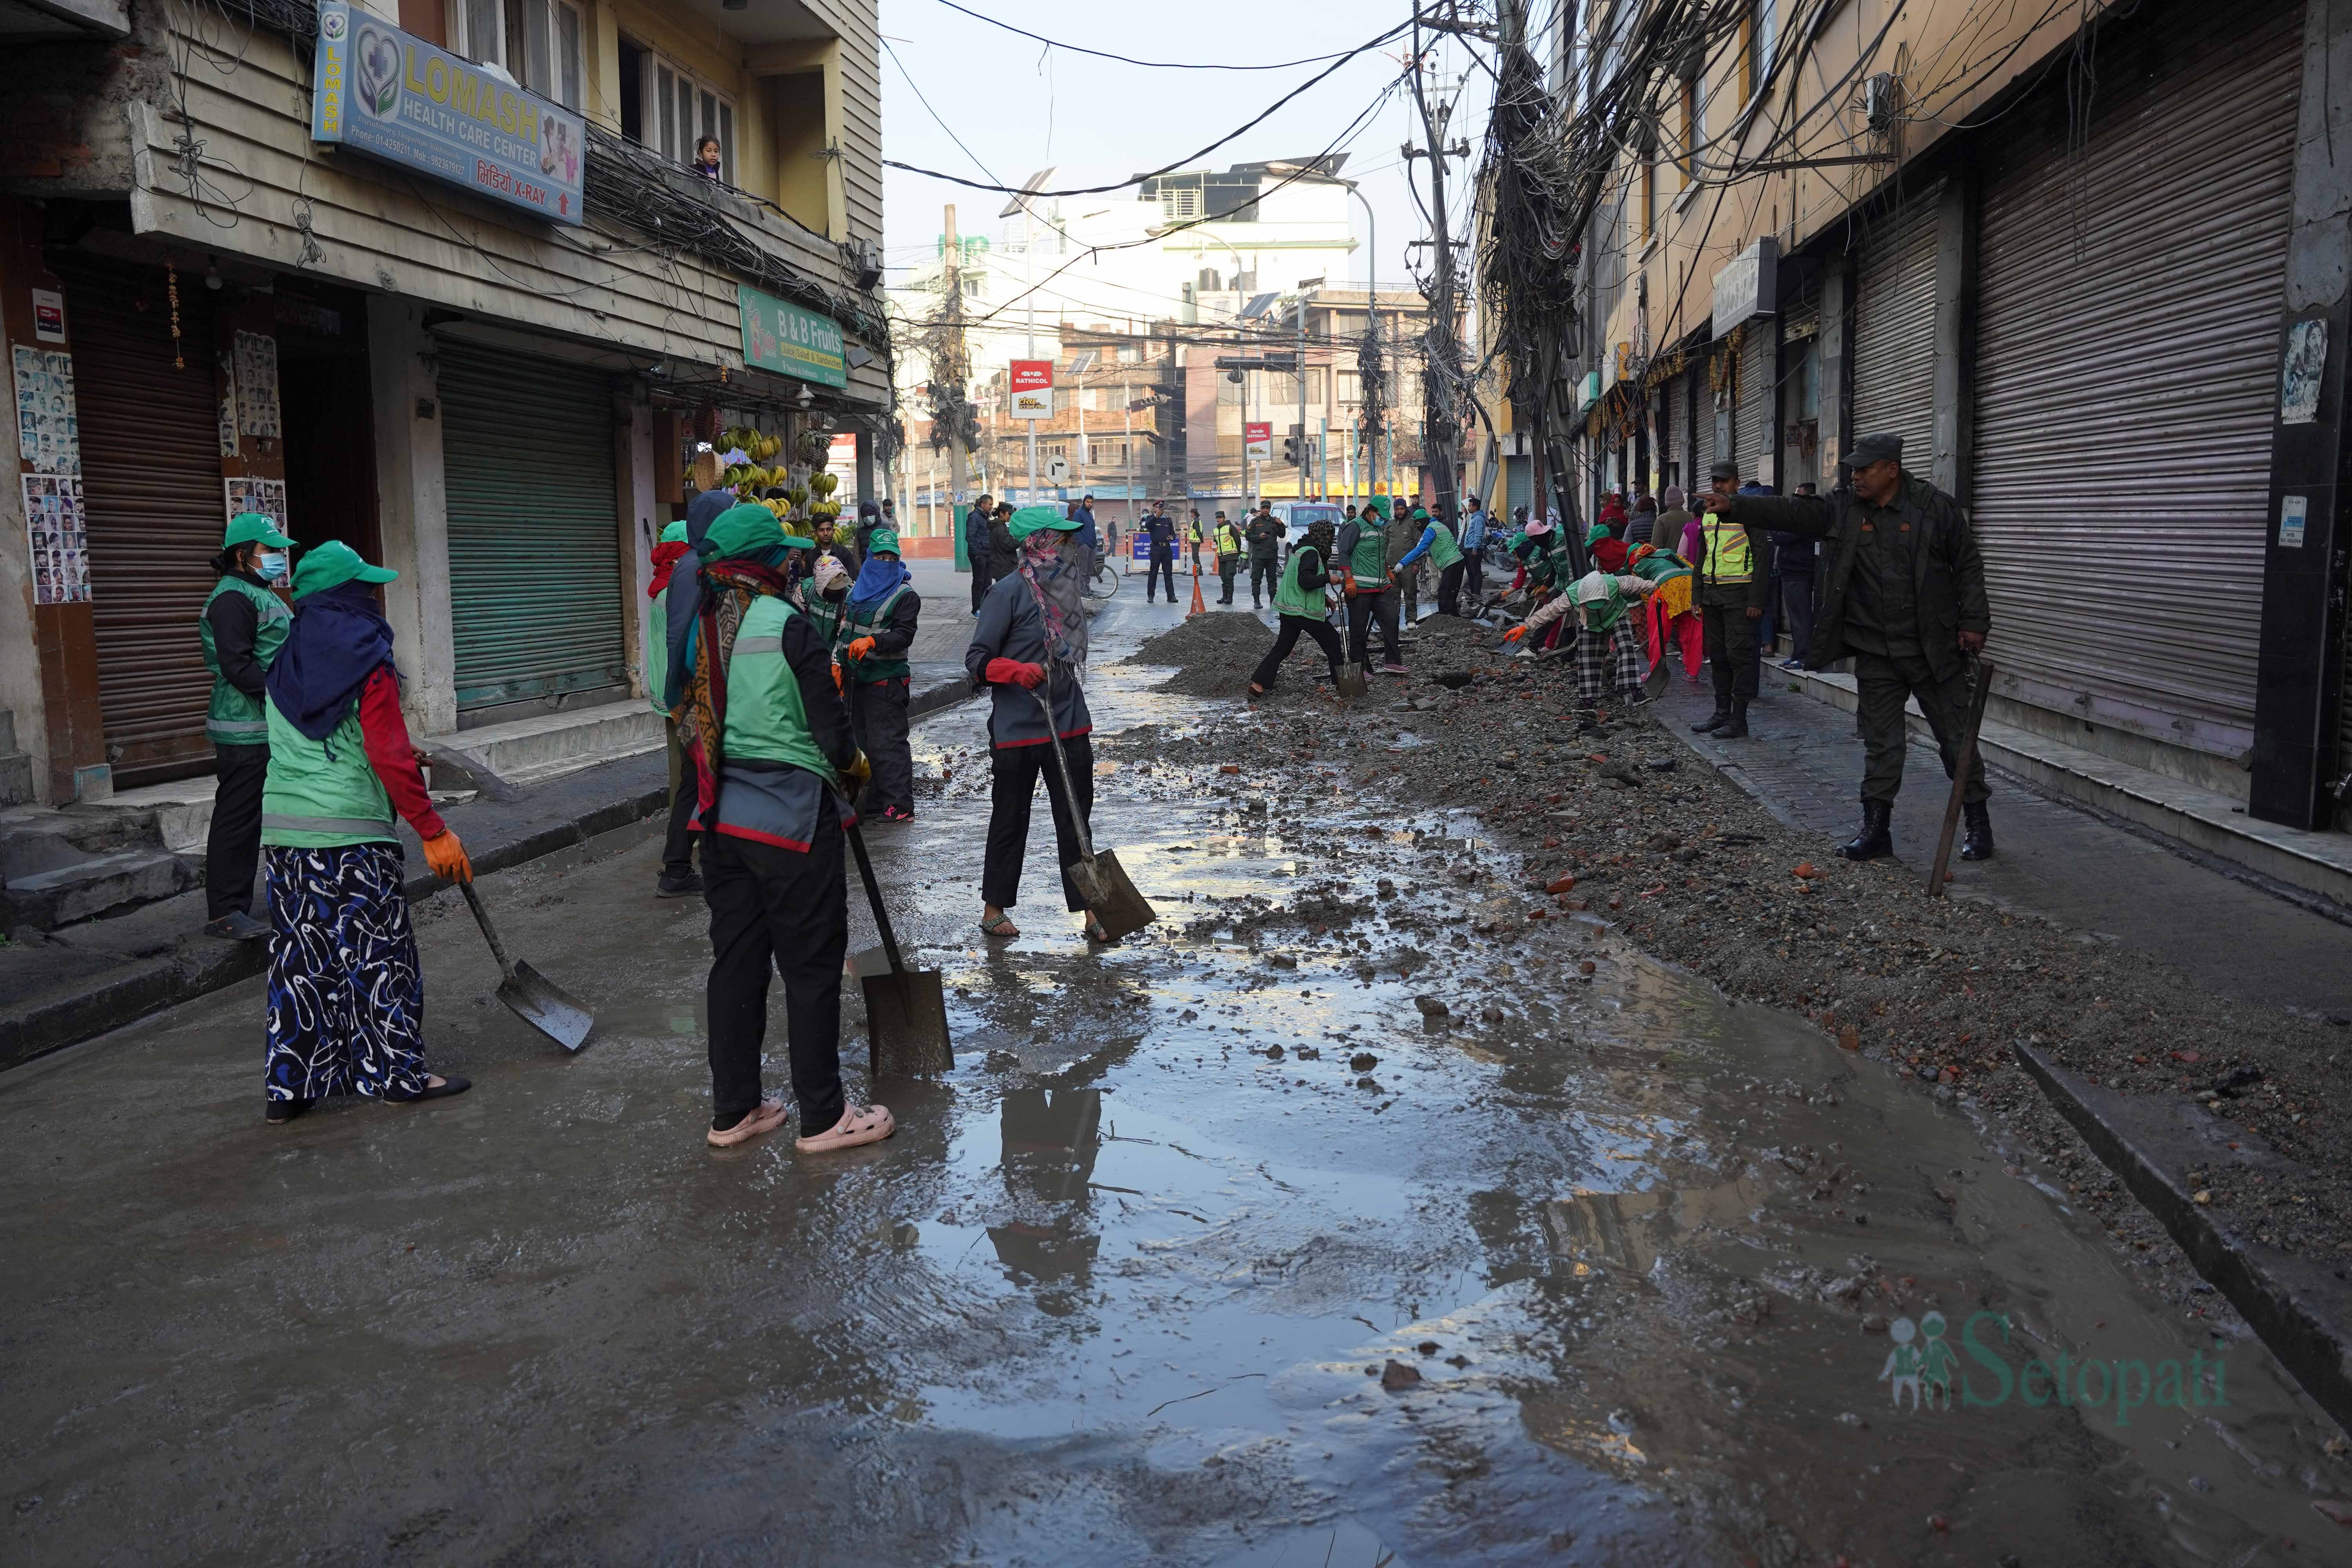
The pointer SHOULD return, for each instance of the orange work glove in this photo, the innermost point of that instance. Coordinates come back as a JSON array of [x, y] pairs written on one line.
[[836, 680], [861, 648], [1515, 634], [1013, 671], [447, 856]]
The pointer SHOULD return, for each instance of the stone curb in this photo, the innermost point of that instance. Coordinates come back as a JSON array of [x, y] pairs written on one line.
[[198, 965], [2301, 1310]]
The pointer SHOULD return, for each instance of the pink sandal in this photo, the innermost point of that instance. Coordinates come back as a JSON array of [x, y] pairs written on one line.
[[764, 1118], [859, 1124]]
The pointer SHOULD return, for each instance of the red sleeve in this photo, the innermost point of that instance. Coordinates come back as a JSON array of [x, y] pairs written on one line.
[[391, 756]]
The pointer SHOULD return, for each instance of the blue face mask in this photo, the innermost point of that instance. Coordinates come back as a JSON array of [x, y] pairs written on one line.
[[269, 566]]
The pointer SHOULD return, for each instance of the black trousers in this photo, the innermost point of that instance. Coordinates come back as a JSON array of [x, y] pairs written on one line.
[[1730, 651], [1477, 572], [1263, 575], [1012, 786], [1882, 685], [1287, 637], [677, 843], [1226, 566], [980, 582], [1362, 609], [877, 716], [1449, 589], [233, 848], [1161, 568], [773, 906], [1797, 604]]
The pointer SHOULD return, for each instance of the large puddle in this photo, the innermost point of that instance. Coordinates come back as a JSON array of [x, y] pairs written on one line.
[[1215, 1247]]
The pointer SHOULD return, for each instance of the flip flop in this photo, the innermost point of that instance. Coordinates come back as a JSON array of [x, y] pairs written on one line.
[[999, 925], [859, 1124], [1097, 931], [763, 1118], [454, 1083]]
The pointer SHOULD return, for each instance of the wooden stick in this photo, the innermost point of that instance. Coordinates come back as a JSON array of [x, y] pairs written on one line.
[[1961, 778]]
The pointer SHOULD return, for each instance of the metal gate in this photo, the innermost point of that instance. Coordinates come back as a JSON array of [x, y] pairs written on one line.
[[1701, 418], [1895, 333], [1759, 370], [534, 557], [151, 472], [2125, 401], [1518, 483]]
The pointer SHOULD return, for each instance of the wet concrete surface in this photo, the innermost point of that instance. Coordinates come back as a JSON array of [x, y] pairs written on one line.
[[1594, 1265]]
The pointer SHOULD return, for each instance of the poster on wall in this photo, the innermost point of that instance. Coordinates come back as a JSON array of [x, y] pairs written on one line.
[[267, 496], [54, 531], [226, 365], [257, 384], [48, 315], [48, 432]]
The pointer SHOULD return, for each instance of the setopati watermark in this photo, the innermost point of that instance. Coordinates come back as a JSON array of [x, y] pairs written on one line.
[[1923, 1364]]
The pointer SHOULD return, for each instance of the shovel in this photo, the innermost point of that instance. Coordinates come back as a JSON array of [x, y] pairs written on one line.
[[906, 1011], [529, 994], [1351, 683], [1100, 881]]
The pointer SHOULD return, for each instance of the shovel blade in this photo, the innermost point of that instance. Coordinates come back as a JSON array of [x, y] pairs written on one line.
[[1655, 684], [906, 1024], [1104, 884], [547, 1007], [1352, 683]]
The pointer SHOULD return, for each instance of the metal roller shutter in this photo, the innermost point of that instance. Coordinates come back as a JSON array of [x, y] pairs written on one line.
[[2106, 368], [1520, 482], [1895, 333], [1759, 370], [1702, 418], [534, 565], [152, 480]]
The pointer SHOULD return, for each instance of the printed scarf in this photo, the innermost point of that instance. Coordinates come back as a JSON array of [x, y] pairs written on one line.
[[728, 589]]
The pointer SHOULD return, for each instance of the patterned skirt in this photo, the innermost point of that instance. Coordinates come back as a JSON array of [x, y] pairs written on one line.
[[1607, 661], [346, 997]]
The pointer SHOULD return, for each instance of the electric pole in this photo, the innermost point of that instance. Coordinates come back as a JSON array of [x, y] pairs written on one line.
[[954, 369], [1441, 358]]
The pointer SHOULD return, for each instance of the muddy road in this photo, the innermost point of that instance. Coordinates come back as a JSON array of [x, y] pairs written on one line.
[[1318, 1225]]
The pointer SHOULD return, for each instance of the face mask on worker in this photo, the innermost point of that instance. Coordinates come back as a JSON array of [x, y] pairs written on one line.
[[269, 566]]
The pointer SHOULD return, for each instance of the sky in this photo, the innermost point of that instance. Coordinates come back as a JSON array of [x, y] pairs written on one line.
[[1019, 105]]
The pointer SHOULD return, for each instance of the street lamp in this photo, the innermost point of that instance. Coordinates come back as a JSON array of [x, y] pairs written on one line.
[[1372, 301]]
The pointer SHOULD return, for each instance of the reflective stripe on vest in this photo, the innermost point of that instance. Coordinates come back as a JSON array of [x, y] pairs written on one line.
[[759, 644], [1291, 598], [1729, 558], [256, 728], [327, 824]]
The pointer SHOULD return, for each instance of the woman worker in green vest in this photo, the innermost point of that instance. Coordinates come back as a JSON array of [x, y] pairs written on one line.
[[1363, 555], [1031, 643], [878, 627], [1438, 543], [1608, 650], [1298, 603], [346, 997], [774, 762], [243, 625]]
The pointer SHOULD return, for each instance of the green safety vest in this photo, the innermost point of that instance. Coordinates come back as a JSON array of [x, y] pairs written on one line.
[[1369, 562], [234, 718], [1290, 598], [321, 794], [870, 669], [1727, 557], [1443, 550], [824, 618], [1229, 540], [765, 720], [1610, 610], [657, 651]]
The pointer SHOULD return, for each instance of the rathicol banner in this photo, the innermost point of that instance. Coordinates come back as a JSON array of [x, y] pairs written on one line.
[[376, 89], [790, 341]]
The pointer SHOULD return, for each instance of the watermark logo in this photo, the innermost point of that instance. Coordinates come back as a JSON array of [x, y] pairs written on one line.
[[1923, 1363]]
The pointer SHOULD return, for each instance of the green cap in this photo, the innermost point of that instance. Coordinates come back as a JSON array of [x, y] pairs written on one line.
[[334, 563], [882, 541], [747, 528], [1421, 514], [1376, 507], [252, 527], [675, 533], [1030, 518]]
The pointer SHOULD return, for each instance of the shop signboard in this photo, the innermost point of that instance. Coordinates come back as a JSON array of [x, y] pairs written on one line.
[[783, 337], [1032, 388], [384, 92]]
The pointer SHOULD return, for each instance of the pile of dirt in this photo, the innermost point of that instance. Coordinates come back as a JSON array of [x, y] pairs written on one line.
[[1627, 822], [1214, 654]]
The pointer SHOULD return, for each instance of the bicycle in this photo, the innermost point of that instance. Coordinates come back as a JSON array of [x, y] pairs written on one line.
[[1102, 584]]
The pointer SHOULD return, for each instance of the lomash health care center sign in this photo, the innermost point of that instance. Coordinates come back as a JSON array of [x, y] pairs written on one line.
[[413, 103]]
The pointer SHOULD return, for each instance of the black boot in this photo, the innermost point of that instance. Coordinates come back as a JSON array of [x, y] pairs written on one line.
[[1735, 727], [1721, 717], [1976, 844], [1874, 840]]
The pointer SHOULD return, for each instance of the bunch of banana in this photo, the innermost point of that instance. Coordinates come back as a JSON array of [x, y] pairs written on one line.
[[798, 494], [823, 483]]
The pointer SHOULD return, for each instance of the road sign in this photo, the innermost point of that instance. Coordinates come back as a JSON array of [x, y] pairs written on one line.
[[1032, 388], [1057, 471], [1257, 439]]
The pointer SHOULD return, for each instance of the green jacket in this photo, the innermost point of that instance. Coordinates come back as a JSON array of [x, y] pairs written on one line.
[[870, 620], [657, 651], [235, 718], [323, 793], [1293, 599]]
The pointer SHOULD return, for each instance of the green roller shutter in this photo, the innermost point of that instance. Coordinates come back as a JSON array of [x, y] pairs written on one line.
[[534, 568]]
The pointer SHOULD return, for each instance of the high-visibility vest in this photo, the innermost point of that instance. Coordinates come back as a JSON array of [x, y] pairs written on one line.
[[1727, 557], [234, 718], [1229, 541]]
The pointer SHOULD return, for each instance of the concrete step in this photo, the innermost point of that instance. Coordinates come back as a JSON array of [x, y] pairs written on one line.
[[95, 885], [2317, 863], [526, 751], [176, 817]]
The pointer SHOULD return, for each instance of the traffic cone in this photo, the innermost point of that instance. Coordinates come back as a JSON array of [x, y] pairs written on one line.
[[1199, 606]]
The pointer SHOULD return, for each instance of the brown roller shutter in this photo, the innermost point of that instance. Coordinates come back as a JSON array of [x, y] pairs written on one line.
[[2126, 383], [1701, 418], [152, 480], [1758, 428], [1895, 333]]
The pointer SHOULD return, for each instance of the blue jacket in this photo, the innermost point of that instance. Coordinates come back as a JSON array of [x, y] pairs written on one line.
[[1473, 530], [1086, 528]]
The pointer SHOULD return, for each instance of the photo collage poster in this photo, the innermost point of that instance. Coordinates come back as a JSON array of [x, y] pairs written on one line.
[[48, 436]]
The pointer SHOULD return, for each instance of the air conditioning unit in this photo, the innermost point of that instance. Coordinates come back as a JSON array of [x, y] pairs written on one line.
[[1881, 101]]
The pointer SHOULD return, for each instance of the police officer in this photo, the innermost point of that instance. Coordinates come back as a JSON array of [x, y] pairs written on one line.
[[1732, 580], [1265, 537], [243, 626], [1902, 593], [1160, 529]]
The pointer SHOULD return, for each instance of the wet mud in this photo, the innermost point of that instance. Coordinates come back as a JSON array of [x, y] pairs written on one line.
[[1315, 1224]]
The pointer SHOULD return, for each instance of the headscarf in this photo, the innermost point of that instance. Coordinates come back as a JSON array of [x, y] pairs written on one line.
[[882, 573], [685, 605], [744, 544], [338, 639], [667, 550], [1053, 577]]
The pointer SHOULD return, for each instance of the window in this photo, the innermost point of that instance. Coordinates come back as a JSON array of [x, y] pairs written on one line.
[[679, 109], [1690, 126], [1649, 193], [1756, 48], [481, 31], [551, 34]]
